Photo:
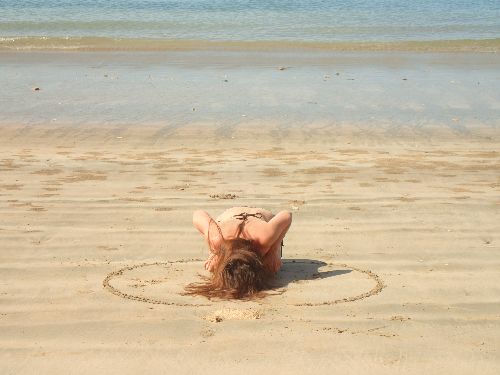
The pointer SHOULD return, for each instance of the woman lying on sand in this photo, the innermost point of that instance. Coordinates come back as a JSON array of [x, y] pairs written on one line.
[[245, 251]]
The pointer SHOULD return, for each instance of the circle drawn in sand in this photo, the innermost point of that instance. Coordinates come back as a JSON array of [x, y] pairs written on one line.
[[301, 282], [316, 283], [160, 278]]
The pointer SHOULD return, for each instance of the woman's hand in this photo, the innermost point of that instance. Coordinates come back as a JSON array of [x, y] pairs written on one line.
[[211, 262]]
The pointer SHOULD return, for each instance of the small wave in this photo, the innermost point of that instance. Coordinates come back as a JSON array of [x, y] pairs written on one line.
[[138, 44]]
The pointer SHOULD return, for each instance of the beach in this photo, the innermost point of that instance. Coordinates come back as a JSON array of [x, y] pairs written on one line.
[[390, 266], [376, 124]]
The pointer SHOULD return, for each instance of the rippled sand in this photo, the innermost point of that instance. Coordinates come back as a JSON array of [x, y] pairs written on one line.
[[418, 213]]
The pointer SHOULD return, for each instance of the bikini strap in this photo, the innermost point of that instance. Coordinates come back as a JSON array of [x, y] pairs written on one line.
[[244, 216]]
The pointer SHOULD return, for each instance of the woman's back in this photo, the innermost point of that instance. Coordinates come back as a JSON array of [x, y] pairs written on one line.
[[245, 250]]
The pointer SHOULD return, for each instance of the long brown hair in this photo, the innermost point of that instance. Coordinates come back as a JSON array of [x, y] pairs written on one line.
[[238, 274]]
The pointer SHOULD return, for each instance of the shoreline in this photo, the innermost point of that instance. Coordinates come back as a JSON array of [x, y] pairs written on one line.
[[103, 44], [313, 134]]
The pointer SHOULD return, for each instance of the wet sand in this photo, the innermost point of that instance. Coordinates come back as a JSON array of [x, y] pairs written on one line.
[[394, 90], [391, 264]]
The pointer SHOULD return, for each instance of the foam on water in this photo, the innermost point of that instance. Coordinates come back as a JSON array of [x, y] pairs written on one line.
[[320, 21]]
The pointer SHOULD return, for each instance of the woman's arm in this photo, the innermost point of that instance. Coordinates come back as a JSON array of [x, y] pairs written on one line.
[[201, 221], [272, 233]]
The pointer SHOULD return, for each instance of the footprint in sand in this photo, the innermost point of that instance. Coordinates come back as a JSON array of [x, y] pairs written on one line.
[[296, 204], [223, 196]]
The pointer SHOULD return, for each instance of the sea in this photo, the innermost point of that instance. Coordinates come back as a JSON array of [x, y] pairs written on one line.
[[137, 23], [145, 62]]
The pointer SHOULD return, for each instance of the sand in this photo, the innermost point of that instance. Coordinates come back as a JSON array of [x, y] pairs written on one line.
[[391, 264]]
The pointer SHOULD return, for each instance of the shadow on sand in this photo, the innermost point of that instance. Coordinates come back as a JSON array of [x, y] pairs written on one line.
[[294, 270]]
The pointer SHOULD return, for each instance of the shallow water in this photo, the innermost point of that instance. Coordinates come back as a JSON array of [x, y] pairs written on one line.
[[230, 88]]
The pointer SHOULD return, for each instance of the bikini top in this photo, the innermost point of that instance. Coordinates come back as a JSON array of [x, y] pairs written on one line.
[[244, 216]]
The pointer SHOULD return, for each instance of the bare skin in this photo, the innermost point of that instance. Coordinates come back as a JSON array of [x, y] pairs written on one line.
[[267, 233]]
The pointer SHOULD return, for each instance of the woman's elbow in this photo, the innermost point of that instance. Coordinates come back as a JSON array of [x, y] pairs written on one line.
[[286, 216], [199, 217]]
